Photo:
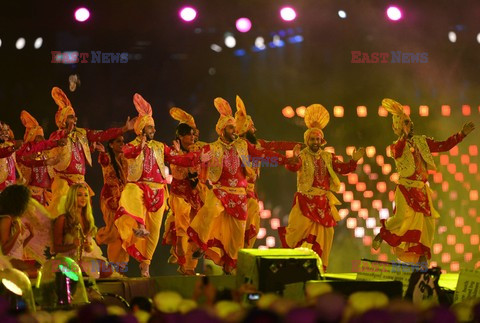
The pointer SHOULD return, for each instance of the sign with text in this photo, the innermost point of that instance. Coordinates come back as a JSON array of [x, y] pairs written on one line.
[[468, 285]]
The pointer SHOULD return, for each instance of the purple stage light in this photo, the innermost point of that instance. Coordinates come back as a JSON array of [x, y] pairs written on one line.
[[288, 13], [394, 13], [82, 14], [188, 14], [243, 25]]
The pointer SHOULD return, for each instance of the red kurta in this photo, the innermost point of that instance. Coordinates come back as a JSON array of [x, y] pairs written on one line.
[[417, 198], [77, 160], [317, 208]]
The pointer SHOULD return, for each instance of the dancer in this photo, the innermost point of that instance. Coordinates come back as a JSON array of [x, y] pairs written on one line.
[[8, 146], [184, 199], [142, 202], [33, 161], [114, 169], [314, 214], [218, 229], [73, 156], [246, 130], [410, 230]]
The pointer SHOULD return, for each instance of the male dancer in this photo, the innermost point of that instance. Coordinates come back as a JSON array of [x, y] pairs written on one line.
[[314, 214], [410, 230]]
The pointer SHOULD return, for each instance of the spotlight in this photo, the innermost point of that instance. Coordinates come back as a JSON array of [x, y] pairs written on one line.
[[188, 14], [215, 48], [230, 41], [394, 13], [452, 36], [288, 112], [260, 43], [288, 13], [243, 25], [478, 39], [82, 14], [16, 288], [1, 42], [276, 42], [239, 52], [342, 14], [38, 43], [20, 43]]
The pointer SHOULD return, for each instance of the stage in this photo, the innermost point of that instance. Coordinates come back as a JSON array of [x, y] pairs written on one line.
[[128, 288]]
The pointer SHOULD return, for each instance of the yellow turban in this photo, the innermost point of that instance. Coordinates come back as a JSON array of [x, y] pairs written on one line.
[[226, 117], [398, 115], [316, 118], [144, 114], [243, 122], [65, 108], [183, 117], [32, 128]]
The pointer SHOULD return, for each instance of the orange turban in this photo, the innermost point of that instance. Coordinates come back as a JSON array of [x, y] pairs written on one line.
[[316, 118], [226, 117], [144, 114], [65, 108], [398, 115], [32, 128], [183, 117], [243, 122]]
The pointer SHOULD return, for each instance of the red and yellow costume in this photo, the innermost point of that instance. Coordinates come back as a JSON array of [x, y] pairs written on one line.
[[314, 214], [185, 200], [243, 123], [219, 226], [410, 230], [143, 198], [7, 164], [109, 197], [32, 160], [75, 154]]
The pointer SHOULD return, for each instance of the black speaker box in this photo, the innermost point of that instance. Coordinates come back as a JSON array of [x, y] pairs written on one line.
[[270, 270]]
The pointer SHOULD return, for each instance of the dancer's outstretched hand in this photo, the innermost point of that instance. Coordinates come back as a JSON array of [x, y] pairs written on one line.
[[206, 156], [296, 150], [129, 124], [176, 146], [468, 127], [357, 154]]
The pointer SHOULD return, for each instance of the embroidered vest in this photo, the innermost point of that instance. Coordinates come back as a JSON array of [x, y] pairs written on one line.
[[215, 166], [65, 152], [306, 173], [406, 164], [135, 165]]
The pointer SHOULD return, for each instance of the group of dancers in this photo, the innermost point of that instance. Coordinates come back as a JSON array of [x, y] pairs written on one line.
[[213, 207]]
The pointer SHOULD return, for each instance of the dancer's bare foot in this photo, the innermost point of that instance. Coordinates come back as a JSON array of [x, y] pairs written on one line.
[[172, 259], [185, 272], [377, 242], [144, 269]]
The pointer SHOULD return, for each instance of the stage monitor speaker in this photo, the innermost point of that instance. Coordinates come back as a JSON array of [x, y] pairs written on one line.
[[269, 270]]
